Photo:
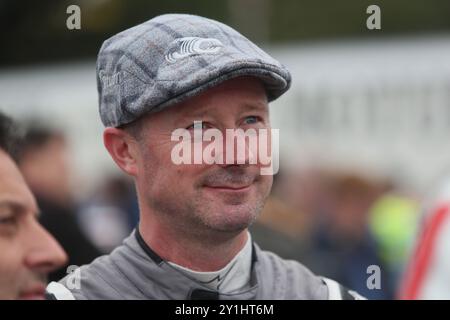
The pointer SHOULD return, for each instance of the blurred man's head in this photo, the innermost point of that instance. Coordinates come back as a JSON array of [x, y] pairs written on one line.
[[45, 164], [27, 251]]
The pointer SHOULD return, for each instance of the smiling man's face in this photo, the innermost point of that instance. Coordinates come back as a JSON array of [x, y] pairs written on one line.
[[198, 197], [27, 251]]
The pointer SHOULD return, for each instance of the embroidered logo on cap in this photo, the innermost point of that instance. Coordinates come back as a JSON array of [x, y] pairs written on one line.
[[189, 46]]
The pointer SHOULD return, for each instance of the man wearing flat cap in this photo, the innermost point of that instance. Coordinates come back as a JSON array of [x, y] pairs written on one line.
[[187, 72]]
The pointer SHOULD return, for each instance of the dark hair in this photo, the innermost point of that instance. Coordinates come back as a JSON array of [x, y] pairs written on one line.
[[37, 136], [134, 129], [9, 136]]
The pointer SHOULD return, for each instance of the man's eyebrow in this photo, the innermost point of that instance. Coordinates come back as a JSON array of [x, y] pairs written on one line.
[[11, 203], [195, 114], [17, 206], [254, 107], [199, 114], [189, 117], [6, 202], [248, 106]]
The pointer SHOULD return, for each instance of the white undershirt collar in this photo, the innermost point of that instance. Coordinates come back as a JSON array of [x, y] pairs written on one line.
[[234, 276]]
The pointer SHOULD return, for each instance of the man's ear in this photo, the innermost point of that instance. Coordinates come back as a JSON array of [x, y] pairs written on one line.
[[122, 148]]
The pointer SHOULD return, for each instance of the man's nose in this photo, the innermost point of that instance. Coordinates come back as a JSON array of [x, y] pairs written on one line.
[[44, 253]]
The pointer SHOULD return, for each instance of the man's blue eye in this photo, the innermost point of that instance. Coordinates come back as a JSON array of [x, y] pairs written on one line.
[[251, 120]]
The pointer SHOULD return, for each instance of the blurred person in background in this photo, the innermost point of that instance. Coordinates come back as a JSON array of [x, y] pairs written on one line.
[[289, 214], [294, 224], [111, 213], [44, 162], [342, 245], [338, 223], [427, 275], [393, 223], [28, 253]]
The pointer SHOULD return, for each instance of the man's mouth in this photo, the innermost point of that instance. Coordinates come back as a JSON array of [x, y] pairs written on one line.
[[233, 181], [35, 292], [229, 188]]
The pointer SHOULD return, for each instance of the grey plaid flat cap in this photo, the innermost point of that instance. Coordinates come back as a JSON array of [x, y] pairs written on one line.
[[172, 57]]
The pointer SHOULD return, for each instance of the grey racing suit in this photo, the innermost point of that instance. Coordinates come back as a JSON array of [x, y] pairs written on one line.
[[134, 271]]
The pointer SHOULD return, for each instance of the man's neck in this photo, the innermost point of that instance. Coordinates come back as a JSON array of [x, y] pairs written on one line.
[[206, 253]]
